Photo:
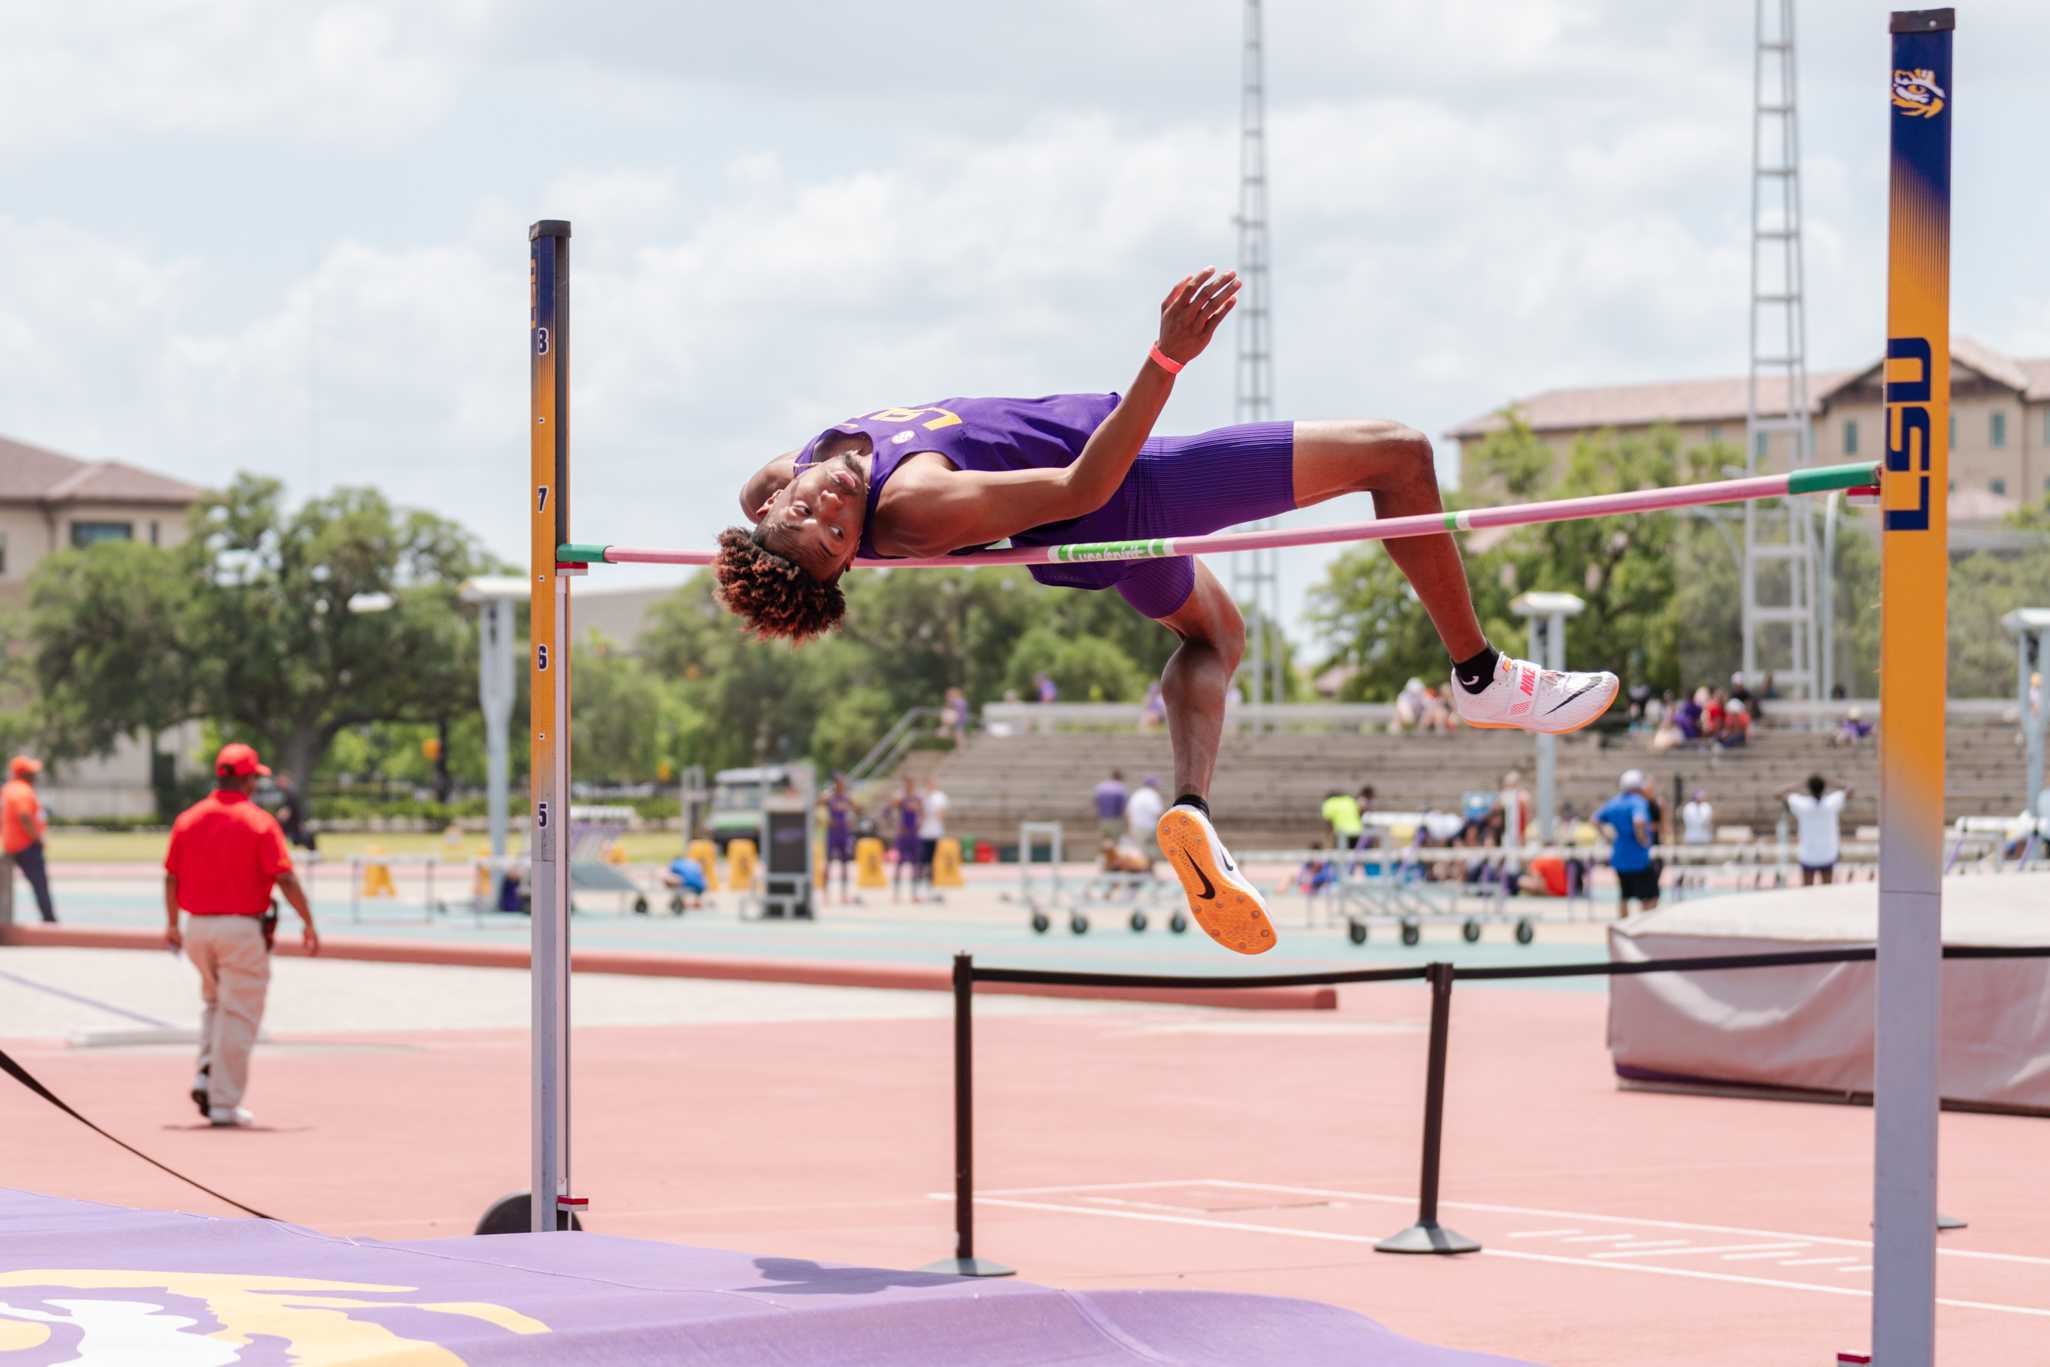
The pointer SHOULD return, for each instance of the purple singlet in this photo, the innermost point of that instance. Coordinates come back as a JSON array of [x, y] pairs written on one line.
[[839, 827], [1178, 486]]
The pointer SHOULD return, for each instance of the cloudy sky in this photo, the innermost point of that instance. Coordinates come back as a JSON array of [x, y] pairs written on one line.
[[292, 237]]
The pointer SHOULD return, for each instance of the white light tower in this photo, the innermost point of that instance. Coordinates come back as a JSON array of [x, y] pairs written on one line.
[[494, 596], [1256, 575], [2030, 628], [1779, 545], [1547, 613]]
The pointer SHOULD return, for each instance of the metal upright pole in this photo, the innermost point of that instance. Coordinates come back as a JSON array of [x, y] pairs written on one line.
[[495, 687], [1916, 566], [549, 703], [964, 1263], [1544, 648]]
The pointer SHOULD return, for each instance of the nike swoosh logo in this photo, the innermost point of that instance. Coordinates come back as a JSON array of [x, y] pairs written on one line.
[[1229, 867], [1209, 888], [1570, 697]]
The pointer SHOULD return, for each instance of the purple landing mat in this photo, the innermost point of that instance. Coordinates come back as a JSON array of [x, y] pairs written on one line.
[[84, 1283]]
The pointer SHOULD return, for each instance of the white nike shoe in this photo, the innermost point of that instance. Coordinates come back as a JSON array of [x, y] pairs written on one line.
[[1523, 697], [231, 1117], [1227, 906]]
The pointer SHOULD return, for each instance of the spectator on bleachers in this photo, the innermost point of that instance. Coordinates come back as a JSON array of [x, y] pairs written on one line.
[[1368, 836], [1409, 707], [1736, 728], [1739, 693], [1437, 712], [1697, 820], [954, 716], [1627, 816], [1043, 682], [1640, 696], [1712, 707], [1817, 812], [1109, 798], [1153, 711], [1852, 729], [1658, 710], [1687, 717], [1766, 689]]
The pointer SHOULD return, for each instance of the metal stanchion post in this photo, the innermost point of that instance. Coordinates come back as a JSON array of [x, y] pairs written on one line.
[[964, 1263], [1427, 1235]]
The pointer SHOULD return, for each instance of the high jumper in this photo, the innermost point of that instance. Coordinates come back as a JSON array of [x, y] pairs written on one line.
[[960, 474]]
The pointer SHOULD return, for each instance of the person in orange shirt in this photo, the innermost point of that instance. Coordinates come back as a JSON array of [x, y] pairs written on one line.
[[226, 855], [21, 829]]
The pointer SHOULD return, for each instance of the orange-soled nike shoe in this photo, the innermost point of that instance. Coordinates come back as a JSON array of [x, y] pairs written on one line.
[[1227, 905]]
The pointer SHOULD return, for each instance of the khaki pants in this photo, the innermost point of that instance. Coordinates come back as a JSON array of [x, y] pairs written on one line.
[[234, 975]]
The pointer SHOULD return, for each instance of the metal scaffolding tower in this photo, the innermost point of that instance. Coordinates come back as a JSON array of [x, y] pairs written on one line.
[[1256, 575], [1779, 540]]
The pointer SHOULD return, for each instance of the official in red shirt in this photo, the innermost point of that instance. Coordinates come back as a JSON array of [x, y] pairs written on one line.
[[21, 830], [226, 856]]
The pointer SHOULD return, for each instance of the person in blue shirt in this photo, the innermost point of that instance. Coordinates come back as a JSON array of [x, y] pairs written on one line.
[[686, 878], [1628, 818]]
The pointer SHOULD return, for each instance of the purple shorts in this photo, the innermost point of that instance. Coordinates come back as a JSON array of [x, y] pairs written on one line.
[[1179, 486], [839, 846]]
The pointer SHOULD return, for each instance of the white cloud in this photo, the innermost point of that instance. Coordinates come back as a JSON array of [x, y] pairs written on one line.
[[348, 72], [784, 215]]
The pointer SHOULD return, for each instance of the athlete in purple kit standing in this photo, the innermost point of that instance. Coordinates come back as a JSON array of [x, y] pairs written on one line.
[[960, 474], [840, 813]]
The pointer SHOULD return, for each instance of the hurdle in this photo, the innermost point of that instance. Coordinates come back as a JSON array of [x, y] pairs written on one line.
[[1911, 482]]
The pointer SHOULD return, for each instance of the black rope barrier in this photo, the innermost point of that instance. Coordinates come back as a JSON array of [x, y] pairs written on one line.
[[28, 1080], [1426, 1235]]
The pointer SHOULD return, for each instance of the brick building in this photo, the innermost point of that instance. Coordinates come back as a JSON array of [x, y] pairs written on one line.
[[1999, 435]]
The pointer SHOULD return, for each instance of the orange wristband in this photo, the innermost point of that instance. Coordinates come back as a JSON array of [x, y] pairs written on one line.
[[1163, 360]]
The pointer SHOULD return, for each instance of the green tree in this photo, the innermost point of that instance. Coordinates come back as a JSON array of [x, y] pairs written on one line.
[[621, 721], [105, 631], [255, 623], [1083, 668]]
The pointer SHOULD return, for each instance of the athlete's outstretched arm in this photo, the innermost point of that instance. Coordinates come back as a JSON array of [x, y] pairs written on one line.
[[973, 508]]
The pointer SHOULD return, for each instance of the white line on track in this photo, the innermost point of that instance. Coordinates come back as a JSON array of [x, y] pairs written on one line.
[[1694, 1250], [1597, 1239], [1543, 1233], [1974, 1254], [1333, 1236]]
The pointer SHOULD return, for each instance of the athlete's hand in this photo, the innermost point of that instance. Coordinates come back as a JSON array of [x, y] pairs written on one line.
[[1192, 310]]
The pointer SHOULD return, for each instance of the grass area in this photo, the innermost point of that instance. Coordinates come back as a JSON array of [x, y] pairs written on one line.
[[147, 847]]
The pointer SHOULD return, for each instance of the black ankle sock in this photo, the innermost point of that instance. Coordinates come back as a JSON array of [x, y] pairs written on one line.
[[1477, 673], [1192, 800]]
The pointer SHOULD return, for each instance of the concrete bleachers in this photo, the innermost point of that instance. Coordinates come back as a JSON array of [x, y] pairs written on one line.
[[1269, 786]]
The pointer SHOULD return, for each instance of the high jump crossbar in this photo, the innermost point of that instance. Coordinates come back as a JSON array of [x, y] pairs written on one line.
[[1859, 476]]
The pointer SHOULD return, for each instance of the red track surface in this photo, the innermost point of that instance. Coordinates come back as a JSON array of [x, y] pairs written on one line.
[[1133, 1148]]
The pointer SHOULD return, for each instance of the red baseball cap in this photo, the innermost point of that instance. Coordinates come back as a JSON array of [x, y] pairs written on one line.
[[237, 758], [21, 766]]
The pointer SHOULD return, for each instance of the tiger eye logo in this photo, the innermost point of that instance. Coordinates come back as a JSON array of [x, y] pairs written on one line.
[[1916, 94]]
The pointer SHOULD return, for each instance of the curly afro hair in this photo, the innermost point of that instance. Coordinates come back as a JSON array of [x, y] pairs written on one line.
[[772, 594]]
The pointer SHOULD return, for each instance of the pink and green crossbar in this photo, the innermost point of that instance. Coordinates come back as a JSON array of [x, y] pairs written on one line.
[[1821, 479]]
